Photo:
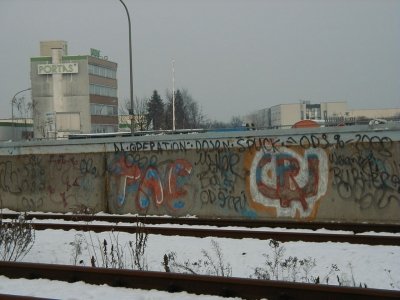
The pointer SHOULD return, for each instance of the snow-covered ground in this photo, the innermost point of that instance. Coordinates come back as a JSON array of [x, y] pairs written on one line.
[[62, 290], [374, 266]]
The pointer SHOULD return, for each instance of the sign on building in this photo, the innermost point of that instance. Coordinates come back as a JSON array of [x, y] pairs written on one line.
[[65, 68]]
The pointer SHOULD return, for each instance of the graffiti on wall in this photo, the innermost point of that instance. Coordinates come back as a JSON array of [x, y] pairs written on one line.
[[288, 181], [25, 177], [76, 180], [218, 174], [23, 181], [282, 176], [367, 174], [57, 179], [147, 182]]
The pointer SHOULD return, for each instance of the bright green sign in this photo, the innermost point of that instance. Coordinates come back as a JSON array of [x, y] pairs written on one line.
[[95, 52]]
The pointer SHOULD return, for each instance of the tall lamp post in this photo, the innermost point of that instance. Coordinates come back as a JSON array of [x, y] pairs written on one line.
[[12, 110], [130, 64]]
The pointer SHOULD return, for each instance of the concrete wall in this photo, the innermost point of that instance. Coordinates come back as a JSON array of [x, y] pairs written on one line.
[[315, 174]]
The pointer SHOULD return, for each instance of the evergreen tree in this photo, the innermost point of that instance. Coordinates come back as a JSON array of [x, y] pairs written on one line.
[[179, 111], [155, 111]]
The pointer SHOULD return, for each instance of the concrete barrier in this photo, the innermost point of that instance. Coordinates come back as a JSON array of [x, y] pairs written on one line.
[[322, 174]]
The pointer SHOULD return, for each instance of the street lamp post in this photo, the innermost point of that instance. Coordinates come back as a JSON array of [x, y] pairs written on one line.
[[12, 110], [130, 64]]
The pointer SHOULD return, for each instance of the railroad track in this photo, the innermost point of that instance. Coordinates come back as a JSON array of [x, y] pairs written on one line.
[[20, 297], [196, 284], [345, 226], [282, 236]]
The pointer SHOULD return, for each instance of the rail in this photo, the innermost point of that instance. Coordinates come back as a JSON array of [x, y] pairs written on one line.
[[196, 284], [345, 226], [282, 236]]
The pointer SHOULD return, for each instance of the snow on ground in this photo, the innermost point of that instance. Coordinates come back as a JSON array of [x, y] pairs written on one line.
[[375, 266], [62, 290]]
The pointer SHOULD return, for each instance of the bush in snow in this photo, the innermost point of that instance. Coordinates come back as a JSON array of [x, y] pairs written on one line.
[[137, 249], [208, 265], [16, 238], [279, 267], [395, 284], [109, 253]]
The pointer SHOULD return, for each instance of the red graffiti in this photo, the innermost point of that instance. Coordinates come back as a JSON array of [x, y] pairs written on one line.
[[150, 185], [131, 172], [168, 190], [287, 187], [176, 175]]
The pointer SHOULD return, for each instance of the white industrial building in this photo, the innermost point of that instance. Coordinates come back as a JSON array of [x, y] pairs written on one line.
[[286, 115], [72, 94]]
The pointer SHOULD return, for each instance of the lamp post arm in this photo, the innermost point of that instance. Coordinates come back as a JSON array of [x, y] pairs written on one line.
[[13, 98]]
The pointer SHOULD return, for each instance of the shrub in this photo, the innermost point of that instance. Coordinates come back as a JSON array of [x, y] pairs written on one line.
[[16, 238], [278, 267], [109, 253], [208, 265]]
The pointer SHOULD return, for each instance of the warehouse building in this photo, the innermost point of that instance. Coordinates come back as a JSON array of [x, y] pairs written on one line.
[[323, 113], [285, 115]]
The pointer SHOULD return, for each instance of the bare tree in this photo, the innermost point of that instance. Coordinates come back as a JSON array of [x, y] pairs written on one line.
[[139, 112], [24, 111], [194, 118], [236, 121]]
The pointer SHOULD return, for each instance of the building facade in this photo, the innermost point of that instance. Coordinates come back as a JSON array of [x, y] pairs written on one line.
[[72, 94], [388, 113], [286, 115], [327, 113]]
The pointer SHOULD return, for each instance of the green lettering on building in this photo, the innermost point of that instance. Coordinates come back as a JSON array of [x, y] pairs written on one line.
[[95, 52]]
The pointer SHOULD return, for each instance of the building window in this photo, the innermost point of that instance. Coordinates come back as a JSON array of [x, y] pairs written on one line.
[[103, 72], [103, 110], [102, 90], [104, 128], [313, 111]]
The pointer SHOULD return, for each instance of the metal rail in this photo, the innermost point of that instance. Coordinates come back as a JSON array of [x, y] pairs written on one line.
[[19, 297], [196, 284], [345, 226], [234, 234]]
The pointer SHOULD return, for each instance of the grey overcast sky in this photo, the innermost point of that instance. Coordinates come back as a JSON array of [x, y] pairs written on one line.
[[233, 56]]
